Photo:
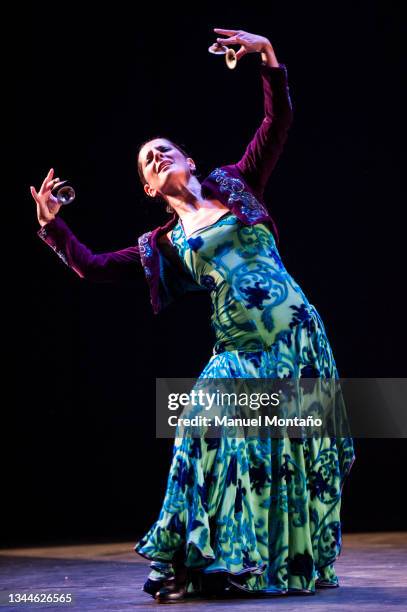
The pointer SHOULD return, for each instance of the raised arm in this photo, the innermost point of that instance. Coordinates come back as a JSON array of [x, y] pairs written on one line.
[[105, 267], [263, 151]]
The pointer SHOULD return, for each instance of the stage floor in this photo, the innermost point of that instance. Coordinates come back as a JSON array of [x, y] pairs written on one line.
[[372, 570]]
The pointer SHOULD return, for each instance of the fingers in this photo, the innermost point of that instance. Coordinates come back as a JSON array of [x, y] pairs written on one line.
[[52, 184], [48, 187], [47, 179], [233, 40], [34, 193], [242, 51], [225, 32], [36, 200]]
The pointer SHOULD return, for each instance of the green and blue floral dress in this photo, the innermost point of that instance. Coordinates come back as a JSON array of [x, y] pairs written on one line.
[[263, 512]]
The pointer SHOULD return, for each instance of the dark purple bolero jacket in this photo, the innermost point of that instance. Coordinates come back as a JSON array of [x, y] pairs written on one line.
[[238, 186]]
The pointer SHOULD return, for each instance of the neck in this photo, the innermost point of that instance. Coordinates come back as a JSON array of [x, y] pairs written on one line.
[[187, 199]]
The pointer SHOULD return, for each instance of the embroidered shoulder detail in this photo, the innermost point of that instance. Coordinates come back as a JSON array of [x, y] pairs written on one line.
[[146, 253], [250, 206]]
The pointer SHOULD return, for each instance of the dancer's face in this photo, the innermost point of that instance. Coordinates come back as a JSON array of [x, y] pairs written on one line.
[[165, 168]]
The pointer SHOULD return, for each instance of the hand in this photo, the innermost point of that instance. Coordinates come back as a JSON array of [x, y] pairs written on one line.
[[250, 43], [47, 204]]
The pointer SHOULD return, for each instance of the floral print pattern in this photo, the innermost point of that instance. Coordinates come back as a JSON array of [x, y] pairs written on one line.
[[264, 513]]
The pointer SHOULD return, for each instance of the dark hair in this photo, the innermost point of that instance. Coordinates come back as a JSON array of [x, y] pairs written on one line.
[[140, 169]]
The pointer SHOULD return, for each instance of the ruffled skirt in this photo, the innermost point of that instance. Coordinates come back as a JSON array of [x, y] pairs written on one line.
[[264, 513]]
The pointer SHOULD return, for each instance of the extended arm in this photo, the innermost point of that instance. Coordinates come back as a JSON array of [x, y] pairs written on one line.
[[106, 267], [263, 151]]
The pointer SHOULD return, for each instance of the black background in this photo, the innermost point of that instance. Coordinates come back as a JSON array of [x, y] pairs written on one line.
[[87, 86]]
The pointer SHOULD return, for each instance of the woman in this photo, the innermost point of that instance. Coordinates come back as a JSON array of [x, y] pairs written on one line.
[[261, 516]]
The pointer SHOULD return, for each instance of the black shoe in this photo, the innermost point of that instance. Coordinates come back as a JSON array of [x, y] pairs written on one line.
[[152, 587], [171, 593], [320, 583]]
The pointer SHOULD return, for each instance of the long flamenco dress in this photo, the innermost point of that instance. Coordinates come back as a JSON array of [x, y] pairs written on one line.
[[263, 513]]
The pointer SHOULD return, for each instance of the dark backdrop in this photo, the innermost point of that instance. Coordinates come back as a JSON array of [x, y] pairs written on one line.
[[88, 86]]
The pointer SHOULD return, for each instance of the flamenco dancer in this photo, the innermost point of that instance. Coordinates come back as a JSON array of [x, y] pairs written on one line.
[[254, 516]]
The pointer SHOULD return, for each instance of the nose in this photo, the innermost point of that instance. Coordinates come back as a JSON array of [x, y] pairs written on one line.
[[158, 157]]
